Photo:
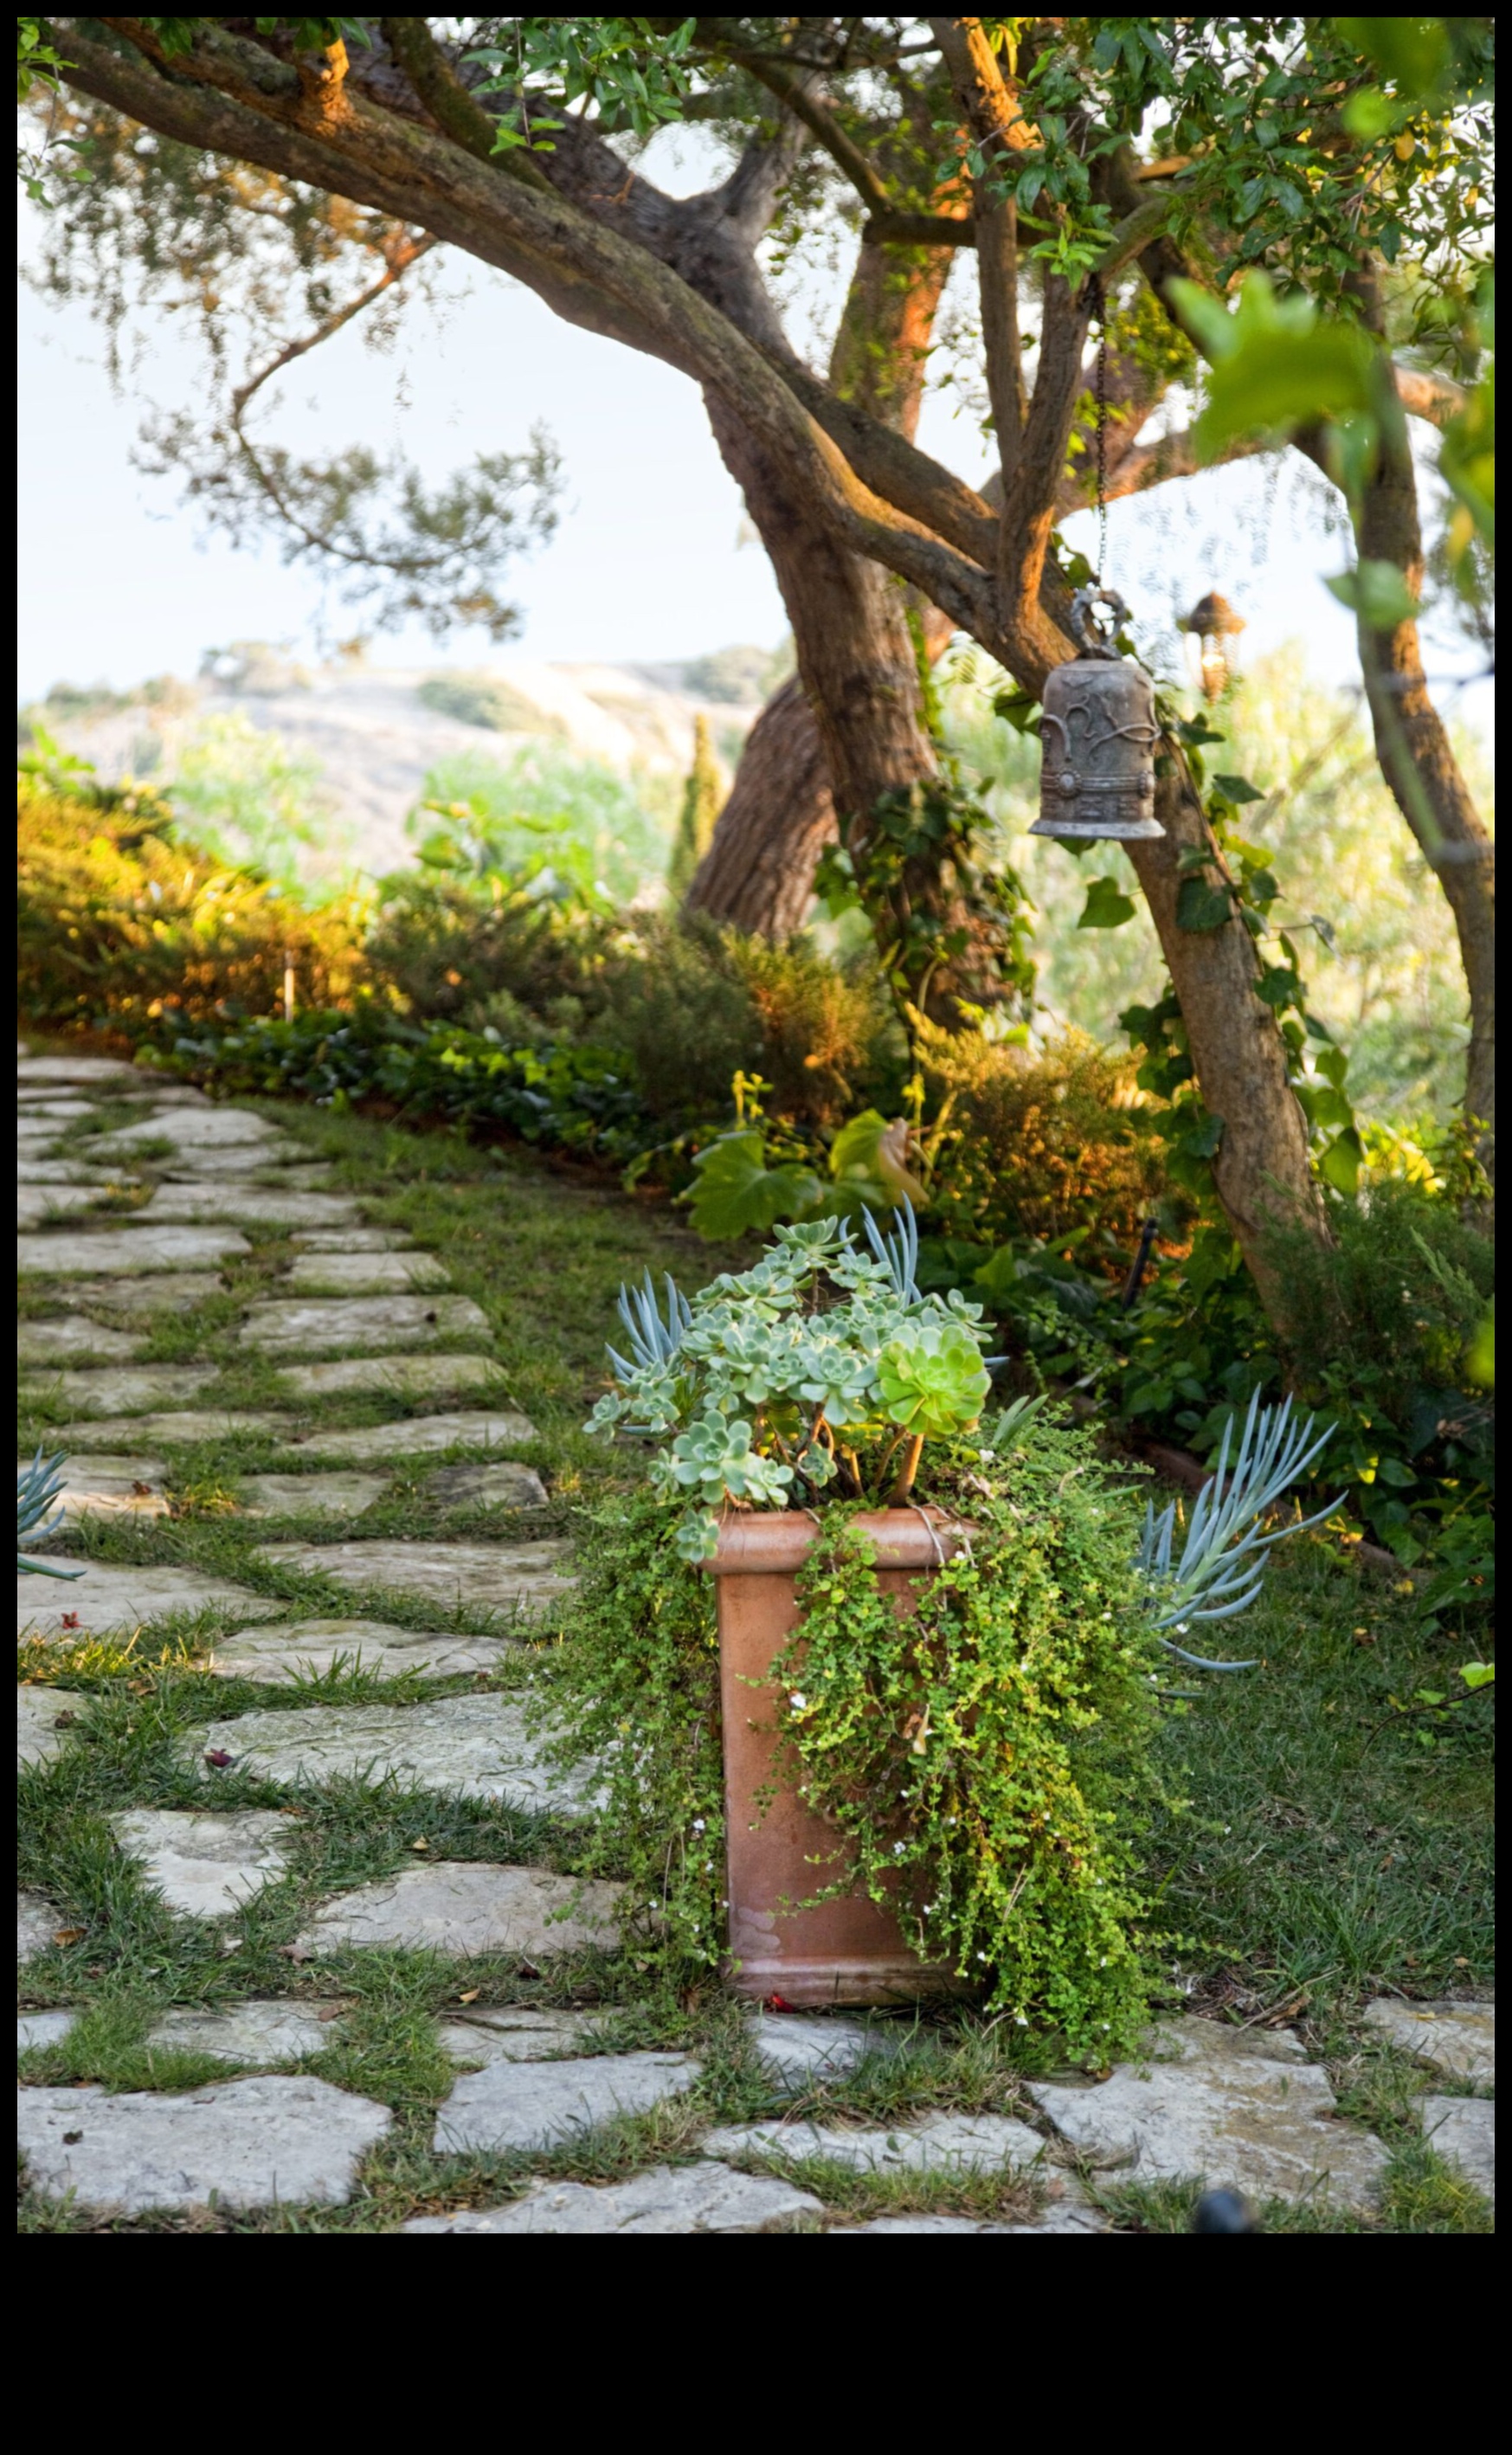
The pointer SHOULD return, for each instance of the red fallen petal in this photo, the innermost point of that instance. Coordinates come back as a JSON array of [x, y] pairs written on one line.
[[777, 2003], [219, 1756]]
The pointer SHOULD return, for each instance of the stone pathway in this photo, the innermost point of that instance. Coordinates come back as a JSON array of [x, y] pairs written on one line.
[[336, 1317]]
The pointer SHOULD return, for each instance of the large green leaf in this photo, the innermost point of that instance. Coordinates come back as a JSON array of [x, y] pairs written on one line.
[[1200, 905], [1273, 365], [1106, 907], [736, 1193]]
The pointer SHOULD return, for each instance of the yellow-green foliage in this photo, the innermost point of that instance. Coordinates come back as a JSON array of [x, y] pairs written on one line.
[[121, 917], [701, 798], [1038, 1145]]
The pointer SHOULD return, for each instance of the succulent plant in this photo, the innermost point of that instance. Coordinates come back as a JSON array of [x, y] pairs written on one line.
[[37, 1487], [932, 1379]]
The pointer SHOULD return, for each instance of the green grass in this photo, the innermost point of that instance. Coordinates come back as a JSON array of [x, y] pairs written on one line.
[[1331, 1848]]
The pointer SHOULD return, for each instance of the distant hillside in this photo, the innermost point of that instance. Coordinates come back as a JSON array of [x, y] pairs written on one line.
[[375, 731]]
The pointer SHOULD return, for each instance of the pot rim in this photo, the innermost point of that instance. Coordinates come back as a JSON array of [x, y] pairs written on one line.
[[775, 1542]]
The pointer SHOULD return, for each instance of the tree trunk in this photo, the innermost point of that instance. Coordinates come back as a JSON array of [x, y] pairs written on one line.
[[1423, 774], [758, 872], [1260, 1168]]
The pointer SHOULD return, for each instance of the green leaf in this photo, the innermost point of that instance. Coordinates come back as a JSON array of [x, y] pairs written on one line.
[[1340, 1163], [1201, 1140], [1106, 907], [1274, 365], [736, 1192], [1478, 1674], [864, 1158], [1412, 51], [1238, 788], [1481, 1362], [1200, 906], [1378, 593]]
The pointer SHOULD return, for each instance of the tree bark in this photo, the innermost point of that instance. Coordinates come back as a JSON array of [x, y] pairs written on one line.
[[1419, 766], [846, 617], [759, 871], [1260, 1168]]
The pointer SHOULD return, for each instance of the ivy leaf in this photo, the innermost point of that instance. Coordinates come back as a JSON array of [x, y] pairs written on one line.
[[1340, 1163], [1199, 906], [1201, 1140], [737, 1193], [1238, 788], [1378, 593], [1107, 906], [1018, 709]]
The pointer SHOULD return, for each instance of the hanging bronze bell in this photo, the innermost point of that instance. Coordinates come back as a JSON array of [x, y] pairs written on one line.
[[1098, 733]]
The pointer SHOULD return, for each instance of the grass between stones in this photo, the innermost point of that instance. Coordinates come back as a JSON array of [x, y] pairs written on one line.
[[1328, 1853]]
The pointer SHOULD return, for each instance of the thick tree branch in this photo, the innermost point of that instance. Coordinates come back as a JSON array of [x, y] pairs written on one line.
[[997, 127], [796, 94]]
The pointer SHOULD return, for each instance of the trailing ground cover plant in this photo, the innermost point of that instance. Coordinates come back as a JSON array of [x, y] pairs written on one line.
[[987, 1760]]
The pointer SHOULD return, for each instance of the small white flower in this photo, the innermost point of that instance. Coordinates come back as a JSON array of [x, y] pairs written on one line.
[[897, 1848], [798, 1702], [1022, 2019], [698, 1824], [981, 1955], [1183, 1628]]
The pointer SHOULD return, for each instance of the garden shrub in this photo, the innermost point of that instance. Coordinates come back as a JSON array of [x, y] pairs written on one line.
[[1053, 1148], [445, 949], [484, 699], [122, 918]]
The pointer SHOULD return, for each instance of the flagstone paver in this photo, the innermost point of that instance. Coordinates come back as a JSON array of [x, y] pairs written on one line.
[[365, 1274], [1455, 2038], [170, 1291], [111, 1073], [125, 1251], [398, 1376], [276, 1328], [250, 2142], [247, 1199], [356, 1240], [515, 2034], [462, 1908], [314, 1648], [63, 1109], [111, 1598], [42, 2029], [797, 2050], [280, 1161], [420, 1434], [272, 2032], [37, 1921], [1243, 2109], [37, 1203], [1462, 2129], [125, 1390], [539, 2105], [73, 1338], [38, 1737], [191, 1130], [193, 1423], [327, 1495], [41, 1170], [941, 2143], [487, 1487], [110, 1485], [666, 2198], [205, 1866], [465, 1747], [451, 1576]]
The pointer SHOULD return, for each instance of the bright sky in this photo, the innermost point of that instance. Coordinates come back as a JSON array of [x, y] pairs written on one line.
[[653, 558]]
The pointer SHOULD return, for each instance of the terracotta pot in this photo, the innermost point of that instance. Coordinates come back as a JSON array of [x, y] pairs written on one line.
[[847, 1949]]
